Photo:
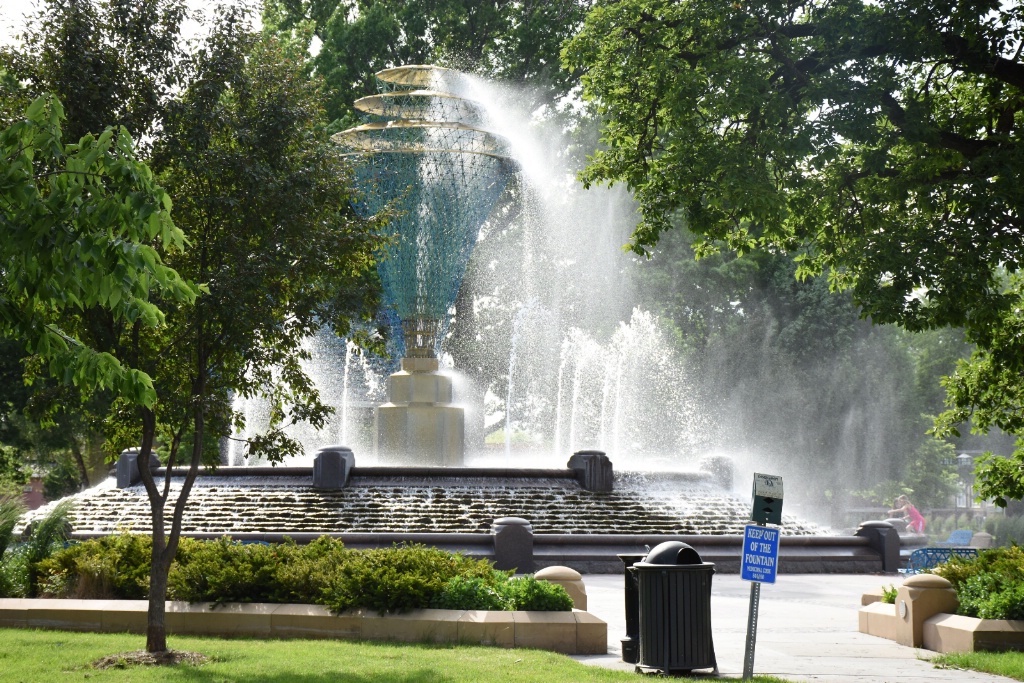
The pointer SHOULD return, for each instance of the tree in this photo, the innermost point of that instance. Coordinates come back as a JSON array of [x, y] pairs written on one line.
[[79, 221], [357, 38], [275, 247], [264, 198], [877, 142], [110, 63]]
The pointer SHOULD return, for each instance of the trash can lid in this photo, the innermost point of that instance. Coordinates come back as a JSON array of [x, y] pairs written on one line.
[[673, 552]]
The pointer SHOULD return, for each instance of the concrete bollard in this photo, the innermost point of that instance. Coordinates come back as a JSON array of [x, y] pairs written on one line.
[[920, 598], [593, 470], [883, 539], [569, 579], [720, 468], [128, 467], [332, 466], [513, 544]]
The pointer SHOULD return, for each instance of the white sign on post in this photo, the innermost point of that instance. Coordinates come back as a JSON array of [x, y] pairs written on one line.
[[767, 485]]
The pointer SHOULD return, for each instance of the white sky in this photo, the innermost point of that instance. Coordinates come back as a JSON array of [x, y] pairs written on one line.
[[12, 13], [12, 16]]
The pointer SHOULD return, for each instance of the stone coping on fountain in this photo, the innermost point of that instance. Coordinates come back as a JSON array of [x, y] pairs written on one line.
[[577, 632]]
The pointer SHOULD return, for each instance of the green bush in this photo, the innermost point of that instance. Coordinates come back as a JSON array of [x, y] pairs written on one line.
[[399, 579], [472, 593], [323, 572], [991, 586], [530, 594], [889, 594], [110, 567], [223, 571]]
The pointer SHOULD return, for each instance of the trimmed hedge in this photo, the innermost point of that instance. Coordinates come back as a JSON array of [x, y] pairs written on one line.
[[324, 572]]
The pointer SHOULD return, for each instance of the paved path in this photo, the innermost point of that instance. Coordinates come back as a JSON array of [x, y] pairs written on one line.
[[807, 631]]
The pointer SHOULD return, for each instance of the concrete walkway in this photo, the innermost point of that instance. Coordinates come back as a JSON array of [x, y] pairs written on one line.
[[807, 631]]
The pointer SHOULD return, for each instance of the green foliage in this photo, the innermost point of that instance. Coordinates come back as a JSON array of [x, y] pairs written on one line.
[[225, 571], [81, 221], [1006, 530], [11, 509], [46, 536], [928, 480], [889, 594], [992, 596], [398, 579], [500, 592], [528, 593], [503, 39], [875, 143], [111, 567], [472, 593], [323, 572], [990, 587]]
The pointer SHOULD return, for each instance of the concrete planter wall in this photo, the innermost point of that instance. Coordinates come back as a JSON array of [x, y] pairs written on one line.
[[575, 632], [923, 617]]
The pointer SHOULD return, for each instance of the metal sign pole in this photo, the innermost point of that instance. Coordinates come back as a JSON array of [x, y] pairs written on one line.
[[748, 657], [748, 652]]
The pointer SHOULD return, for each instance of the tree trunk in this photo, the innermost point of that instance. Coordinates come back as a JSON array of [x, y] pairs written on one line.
[[156, 622]]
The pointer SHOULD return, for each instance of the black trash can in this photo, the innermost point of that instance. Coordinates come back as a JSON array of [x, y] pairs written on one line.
[[631, 643], [674, 587]]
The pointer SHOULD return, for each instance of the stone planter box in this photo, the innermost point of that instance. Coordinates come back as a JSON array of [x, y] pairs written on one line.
[[575, 632], [923, 617]]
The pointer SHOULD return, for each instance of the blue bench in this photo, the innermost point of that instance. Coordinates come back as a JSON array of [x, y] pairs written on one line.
[[958, 538], [927, 558]]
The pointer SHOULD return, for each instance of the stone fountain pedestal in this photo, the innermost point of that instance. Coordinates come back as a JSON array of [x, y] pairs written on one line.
[[419, 421]]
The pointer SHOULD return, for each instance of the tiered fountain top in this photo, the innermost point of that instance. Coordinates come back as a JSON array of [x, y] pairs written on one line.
[[422, 152]]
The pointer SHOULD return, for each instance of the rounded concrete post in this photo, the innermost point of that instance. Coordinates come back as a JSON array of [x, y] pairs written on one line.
[[569, 579], [513, 544], [920, 598]]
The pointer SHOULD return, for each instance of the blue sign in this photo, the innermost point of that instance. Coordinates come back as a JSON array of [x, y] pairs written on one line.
[[760, 554]]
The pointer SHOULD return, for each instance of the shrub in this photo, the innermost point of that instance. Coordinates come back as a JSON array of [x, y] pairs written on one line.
[[520, 593], [991, 586], [472, 593], [399, 579], [889, 594], [530, 594], [111, 567], [223, 571]]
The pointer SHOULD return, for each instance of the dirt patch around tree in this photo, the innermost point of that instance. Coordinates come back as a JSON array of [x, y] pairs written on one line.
[[124, 660]]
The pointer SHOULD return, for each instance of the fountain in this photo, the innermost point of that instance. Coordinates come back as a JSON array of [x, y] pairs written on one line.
[[421, 154], [424, 150]]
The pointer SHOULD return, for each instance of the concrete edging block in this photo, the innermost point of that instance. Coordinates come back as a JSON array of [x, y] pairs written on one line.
[[487, 628], [956, 633], [555, 631], [418, 626], [591, 634], [576, 632], [229, 619], [879, 619]]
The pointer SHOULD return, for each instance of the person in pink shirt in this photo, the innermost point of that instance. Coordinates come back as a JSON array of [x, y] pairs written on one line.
[[903, 507]]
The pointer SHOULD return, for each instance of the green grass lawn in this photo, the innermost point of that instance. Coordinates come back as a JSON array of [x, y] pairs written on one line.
[[1009, 664], [51, 656]]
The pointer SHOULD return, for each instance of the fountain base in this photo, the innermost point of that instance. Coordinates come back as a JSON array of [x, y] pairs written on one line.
[[419, 420]]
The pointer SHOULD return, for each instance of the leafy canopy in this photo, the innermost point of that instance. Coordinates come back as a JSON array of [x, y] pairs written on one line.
[[878, 142], [81, 225]]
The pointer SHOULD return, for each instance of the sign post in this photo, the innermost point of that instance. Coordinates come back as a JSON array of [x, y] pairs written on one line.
[[760, 555]]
